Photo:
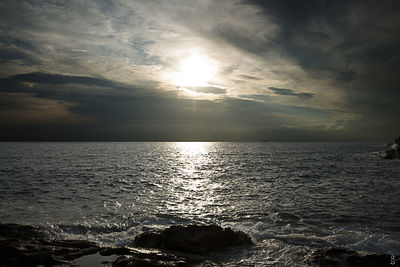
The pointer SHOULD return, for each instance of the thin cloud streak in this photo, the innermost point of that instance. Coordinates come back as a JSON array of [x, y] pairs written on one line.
[[289, 92]]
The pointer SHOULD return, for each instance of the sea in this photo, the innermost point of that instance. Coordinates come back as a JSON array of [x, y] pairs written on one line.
[[290, 198]]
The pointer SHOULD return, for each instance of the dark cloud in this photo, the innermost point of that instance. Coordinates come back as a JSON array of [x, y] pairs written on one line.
[[57, 86], [46, 78], [256, 97], [347, 75], [9, 54], [18, 43], [248, 77], [297, 13], [241, 41], [208, 89], [290, 92], [295, 20], [360, 37], [110, 105], [16, 49], [328, 35], [151, 113]]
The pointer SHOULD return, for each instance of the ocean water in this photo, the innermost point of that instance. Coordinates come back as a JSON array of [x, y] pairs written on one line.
[[290, 197]]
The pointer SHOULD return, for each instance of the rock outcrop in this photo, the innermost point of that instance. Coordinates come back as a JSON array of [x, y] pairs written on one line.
[[152, 257], [196, 239], [22, 245], [393, 149], [175, 246], [337, 257]]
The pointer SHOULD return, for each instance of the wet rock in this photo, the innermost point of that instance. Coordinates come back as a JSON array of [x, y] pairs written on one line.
[[12, 230], [180, 246], [115, 251], [196, 239], [145, 257], [336, 257], [202, 239], [391, 154], [149, 240], [397, 141], [26, 246], [393, 149], [156, 257], [22, 245]]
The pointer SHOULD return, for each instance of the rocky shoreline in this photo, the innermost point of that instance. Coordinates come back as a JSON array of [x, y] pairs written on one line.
[[189, 245]]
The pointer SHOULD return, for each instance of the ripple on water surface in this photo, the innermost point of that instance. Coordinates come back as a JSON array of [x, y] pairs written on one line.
[[290, 194]]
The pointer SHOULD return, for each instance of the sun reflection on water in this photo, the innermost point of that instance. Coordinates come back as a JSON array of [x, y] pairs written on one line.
[[192, 190], [193, 158]]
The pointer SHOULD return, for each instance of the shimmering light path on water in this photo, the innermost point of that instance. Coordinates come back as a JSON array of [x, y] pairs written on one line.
[[288, 196]]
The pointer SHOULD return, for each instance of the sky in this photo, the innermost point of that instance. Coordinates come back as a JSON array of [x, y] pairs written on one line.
[[209, 70]]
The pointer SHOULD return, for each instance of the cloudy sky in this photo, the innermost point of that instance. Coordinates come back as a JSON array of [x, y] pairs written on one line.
[[199, 70]]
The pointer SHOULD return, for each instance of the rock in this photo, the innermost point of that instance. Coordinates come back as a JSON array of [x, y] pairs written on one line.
[[115, 251], [196, 239], [22, 245], [149, 240], [12, 230], [180, 246], [344, 257], [202, 239], [397, 141], [393, 149], [391, 154], [145, 257], [26, 246]]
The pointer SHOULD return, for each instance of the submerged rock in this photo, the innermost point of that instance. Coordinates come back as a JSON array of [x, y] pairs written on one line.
[[337, 257], [196, 239]]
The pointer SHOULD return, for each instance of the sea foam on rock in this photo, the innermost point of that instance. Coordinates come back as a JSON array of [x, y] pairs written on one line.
[[22, 245], [175, 246]]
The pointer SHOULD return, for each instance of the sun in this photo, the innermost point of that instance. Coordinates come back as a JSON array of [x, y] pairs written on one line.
[[195, 71]]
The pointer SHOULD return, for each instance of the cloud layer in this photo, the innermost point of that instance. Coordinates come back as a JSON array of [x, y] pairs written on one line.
[[102, 70]]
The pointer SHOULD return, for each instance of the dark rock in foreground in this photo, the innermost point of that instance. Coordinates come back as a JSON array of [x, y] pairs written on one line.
[[12, 230], [152, 257], [26, 246], [196, 239], [22, 245], [337, 257], [149, 240]]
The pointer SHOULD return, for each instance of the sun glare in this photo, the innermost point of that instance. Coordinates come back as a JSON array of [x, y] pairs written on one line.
[[195, 71]]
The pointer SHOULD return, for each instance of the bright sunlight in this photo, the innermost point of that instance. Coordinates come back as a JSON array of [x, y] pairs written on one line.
[[195, 71]]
